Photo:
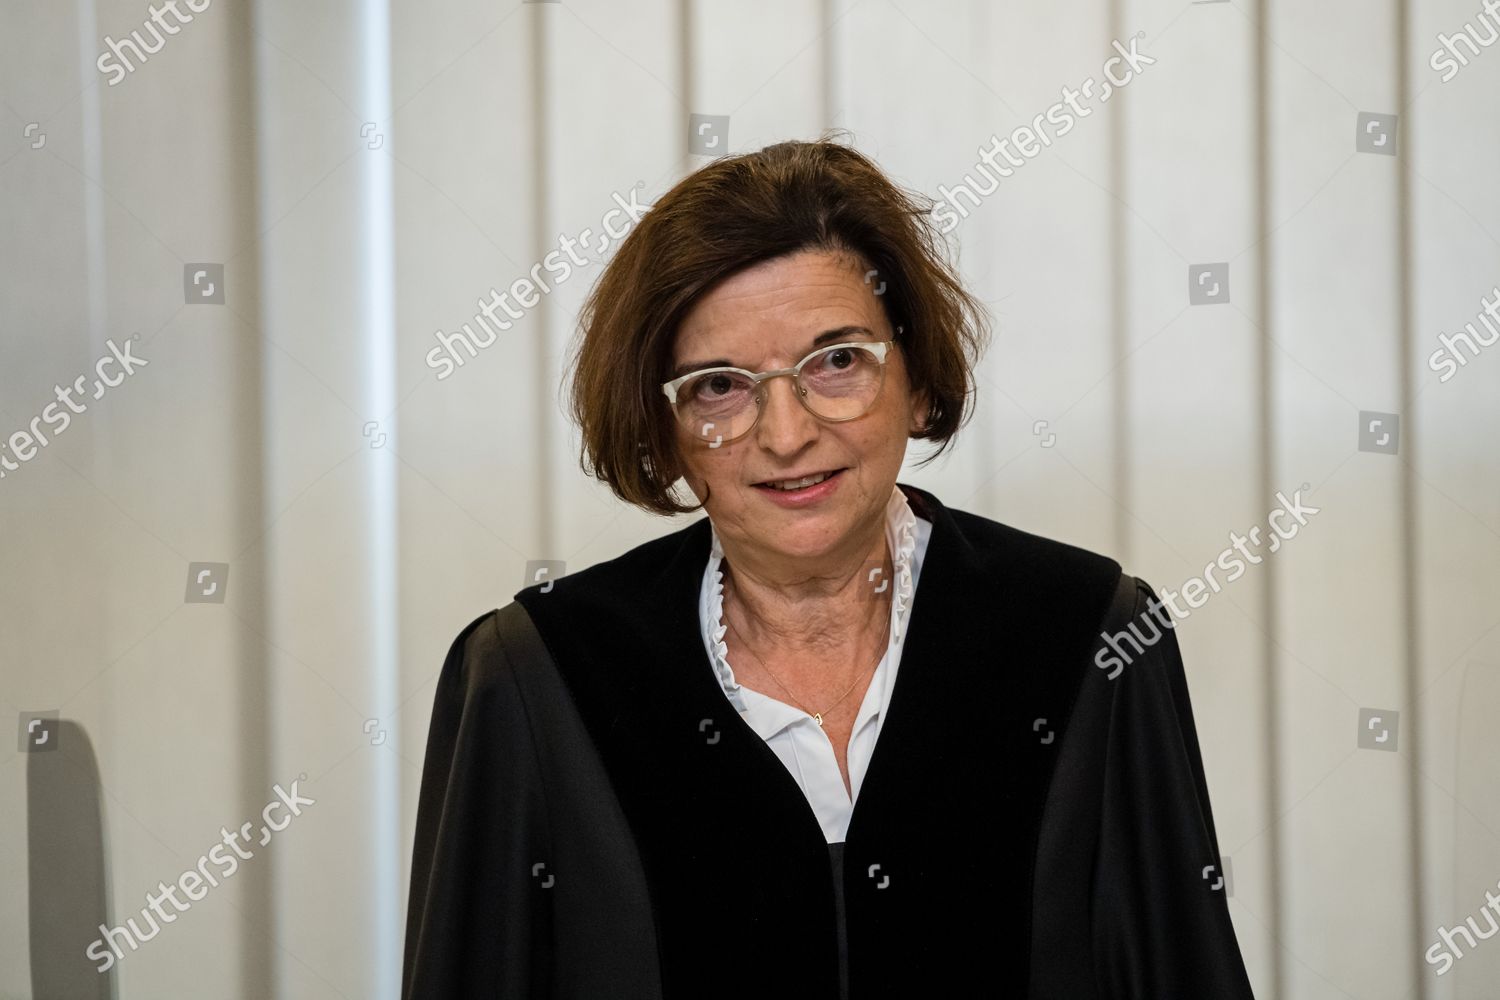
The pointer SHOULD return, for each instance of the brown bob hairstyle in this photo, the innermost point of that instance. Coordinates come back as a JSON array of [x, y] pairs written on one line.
[[730, 215]]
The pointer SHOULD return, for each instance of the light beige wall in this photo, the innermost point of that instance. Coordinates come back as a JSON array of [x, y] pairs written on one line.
[[496, 129]]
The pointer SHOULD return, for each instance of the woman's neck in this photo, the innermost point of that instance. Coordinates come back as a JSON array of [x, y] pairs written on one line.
[[803, 610]]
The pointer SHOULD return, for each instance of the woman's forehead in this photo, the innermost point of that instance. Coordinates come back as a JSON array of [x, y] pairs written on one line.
[[780, 305]]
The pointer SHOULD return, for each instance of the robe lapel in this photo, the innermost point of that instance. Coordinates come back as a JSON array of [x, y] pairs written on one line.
[[937, 637], [940, 853], [752, 763], [734, 856]]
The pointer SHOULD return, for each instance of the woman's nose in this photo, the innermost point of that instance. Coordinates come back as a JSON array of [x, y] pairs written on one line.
[[784, 425]]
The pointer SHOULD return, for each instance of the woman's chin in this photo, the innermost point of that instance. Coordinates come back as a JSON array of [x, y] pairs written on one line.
[[802, 535]]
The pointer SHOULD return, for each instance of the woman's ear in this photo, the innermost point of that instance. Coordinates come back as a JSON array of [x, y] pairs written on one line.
[[919, 407]]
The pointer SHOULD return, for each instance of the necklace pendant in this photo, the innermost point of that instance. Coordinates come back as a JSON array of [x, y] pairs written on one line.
[[818, 718]]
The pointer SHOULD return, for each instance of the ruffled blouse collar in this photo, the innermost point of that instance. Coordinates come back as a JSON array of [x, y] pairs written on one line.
[[901, 537]]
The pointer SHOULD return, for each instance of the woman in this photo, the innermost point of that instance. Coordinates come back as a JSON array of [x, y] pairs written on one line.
[[835, 739]]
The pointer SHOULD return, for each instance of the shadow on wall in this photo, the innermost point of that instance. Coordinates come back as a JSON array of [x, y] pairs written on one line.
[[65, 854], [1470, 925]]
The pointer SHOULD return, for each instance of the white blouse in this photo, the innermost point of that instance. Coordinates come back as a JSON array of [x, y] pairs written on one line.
[[793, 734]]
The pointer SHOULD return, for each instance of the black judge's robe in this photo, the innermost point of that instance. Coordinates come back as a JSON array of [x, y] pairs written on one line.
[[597, 821]]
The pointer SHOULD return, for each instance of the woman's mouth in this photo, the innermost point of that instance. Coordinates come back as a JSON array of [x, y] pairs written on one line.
[[805, 489], [795, 484]]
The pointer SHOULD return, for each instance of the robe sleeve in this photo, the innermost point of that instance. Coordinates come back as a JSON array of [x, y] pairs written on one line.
[[1131, 903], [479, 915]]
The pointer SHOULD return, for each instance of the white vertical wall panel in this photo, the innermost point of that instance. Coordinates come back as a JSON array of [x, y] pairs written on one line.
[[369, 509]]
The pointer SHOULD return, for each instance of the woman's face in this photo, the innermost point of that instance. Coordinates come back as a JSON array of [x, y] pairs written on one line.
[[768, 317]]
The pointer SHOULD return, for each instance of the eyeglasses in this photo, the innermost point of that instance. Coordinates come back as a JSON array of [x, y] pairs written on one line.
[[835, 383]]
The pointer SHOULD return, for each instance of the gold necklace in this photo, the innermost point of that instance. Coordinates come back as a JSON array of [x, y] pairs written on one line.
[[817, 716]]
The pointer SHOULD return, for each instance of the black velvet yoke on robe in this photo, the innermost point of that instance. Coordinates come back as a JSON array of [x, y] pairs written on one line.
[[597, 821]]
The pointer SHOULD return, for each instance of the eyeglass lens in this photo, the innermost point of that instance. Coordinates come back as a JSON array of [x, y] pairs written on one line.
[[841, 383]]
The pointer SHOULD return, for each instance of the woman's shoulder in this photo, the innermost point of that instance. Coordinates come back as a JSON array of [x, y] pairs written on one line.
[[611, 596], [621, 592], [479, 657], [1052, 571], [997, 542], [636, 564]]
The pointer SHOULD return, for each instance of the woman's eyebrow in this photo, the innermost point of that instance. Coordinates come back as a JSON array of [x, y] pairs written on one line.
[[826, 337]]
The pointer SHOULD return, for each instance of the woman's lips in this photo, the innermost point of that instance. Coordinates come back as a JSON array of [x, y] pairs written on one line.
[[788, 479], [804, 496]]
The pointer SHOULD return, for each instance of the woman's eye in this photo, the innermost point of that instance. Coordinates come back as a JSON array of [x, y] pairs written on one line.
[[843, 359], [715, 387]]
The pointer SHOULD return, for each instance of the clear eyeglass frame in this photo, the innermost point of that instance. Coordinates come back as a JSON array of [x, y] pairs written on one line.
[[880, 347]]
